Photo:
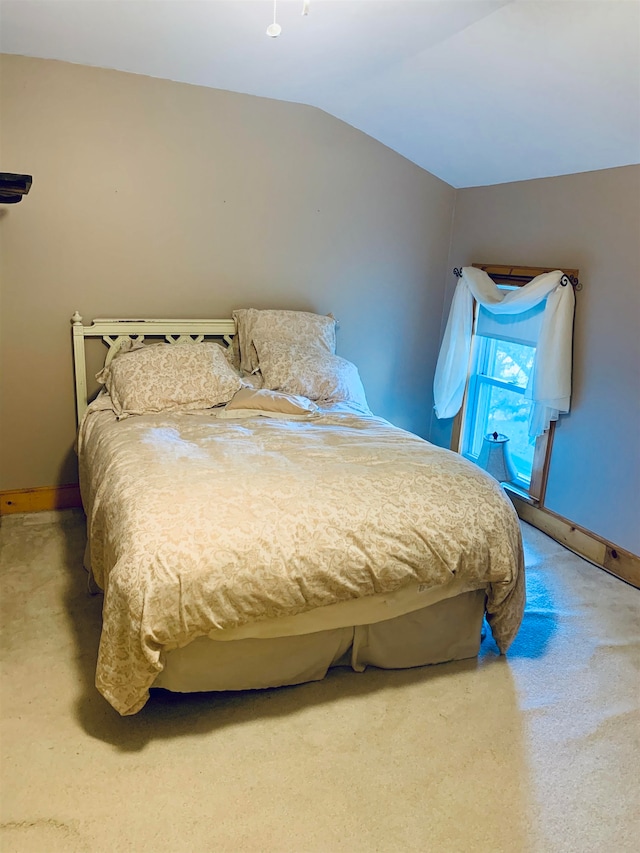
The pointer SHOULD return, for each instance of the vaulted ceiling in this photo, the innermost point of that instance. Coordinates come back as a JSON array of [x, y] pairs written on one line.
[[474, 91]]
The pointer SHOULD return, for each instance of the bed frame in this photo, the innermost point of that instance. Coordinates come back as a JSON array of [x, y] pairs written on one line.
[[448, 629], [114, 332]]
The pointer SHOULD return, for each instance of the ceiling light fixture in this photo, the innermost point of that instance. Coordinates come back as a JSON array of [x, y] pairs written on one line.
[[274, 29]]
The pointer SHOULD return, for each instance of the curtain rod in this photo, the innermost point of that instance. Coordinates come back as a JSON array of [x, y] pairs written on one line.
[[564, 281]]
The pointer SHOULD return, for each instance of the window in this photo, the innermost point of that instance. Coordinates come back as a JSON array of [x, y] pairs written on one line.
[[496, 402], [502, 358]]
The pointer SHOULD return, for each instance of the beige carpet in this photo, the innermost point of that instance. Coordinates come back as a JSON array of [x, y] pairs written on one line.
[[536, 752]]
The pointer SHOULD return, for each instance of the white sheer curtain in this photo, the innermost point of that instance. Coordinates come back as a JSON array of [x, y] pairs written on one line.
[[549, 385]]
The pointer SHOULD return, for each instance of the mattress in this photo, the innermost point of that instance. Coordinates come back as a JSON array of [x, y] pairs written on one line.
[[208, 528]]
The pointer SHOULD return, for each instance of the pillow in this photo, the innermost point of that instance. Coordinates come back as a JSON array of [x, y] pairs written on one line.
[[232, 353], [249, 402], [300, 327], [309, 371], [252, 380], [169, 377]]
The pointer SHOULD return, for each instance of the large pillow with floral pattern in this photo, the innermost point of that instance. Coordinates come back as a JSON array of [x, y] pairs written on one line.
[[169, 377], [309, 371]]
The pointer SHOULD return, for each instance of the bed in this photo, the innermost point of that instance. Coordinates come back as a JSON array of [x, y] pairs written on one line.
[[243, 545]]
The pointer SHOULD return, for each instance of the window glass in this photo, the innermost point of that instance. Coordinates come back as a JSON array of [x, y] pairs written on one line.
[[496, 402], [511, 362]]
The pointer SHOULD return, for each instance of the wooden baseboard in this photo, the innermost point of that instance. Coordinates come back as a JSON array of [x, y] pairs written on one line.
[[40, 499], [623, 564]]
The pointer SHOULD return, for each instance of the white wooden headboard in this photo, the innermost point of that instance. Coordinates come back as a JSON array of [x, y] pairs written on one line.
[[115, 332]]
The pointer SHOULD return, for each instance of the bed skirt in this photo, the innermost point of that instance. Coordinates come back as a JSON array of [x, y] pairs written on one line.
[[445, 631]]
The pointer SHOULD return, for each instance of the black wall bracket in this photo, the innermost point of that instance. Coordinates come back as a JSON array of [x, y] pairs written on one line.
[[13, 187]]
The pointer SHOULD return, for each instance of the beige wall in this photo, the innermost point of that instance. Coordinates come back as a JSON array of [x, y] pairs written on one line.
[[158, 198], [590, 221], [153, 198]]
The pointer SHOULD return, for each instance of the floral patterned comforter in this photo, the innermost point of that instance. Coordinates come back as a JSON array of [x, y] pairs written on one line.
[[199, 524]]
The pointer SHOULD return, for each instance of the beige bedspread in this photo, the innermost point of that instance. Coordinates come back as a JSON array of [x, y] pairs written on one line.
[[198, 524]]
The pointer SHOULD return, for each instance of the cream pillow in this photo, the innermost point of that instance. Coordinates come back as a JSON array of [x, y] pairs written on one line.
[[169, 377], [309, 371], [300, 327], [249, 402]]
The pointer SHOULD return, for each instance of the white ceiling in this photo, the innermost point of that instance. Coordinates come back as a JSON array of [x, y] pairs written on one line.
[[475, 91]]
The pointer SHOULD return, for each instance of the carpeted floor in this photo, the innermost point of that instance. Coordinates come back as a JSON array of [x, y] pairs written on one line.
[[539, 751]]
